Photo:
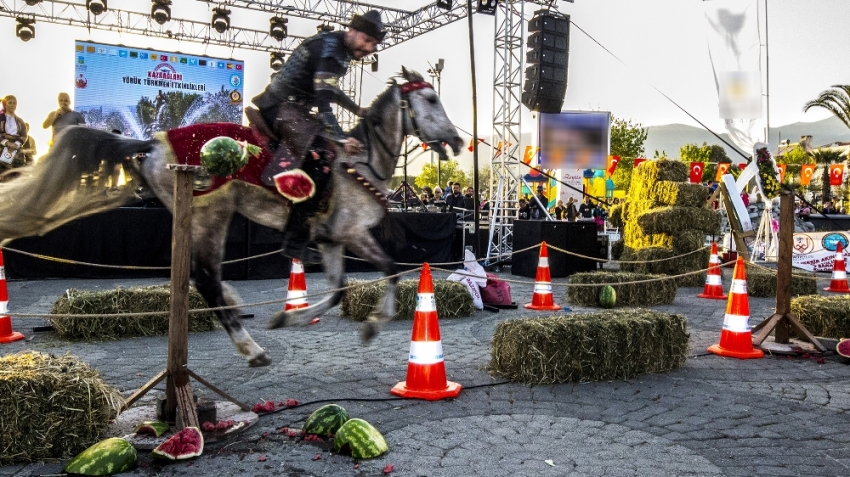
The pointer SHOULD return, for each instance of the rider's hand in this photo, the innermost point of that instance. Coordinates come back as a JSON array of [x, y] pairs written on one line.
[[353, 146], [362, 112]]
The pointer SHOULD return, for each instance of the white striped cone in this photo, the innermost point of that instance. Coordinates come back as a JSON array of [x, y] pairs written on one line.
[[838, 283], [736, 339], [713, 279], [542, 298], [296, 293]]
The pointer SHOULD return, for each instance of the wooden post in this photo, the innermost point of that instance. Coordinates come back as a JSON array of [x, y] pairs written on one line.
[[737, 233], [178, 393]]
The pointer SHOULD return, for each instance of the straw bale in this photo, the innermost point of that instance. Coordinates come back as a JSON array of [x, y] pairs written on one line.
[[654, 263], [453, 299], [51, 406], [620, 344], [637, 239], [688, 241], [661, 292], [615, 216], [651, 172], [679, 194], [674, 220], [123, 300], [762, 283], [617, 249], [827, 316]]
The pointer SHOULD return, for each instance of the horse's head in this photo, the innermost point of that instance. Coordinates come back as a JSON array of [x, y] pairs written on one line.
[[426, 117]]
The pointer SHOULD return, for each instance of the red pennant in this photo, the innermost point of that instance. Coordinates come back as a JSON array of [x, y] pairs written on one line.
[[836, 174], [781, 168], [612, 165], [424, 146], [722, 168], [638, 160], [696, 172], [806, 171], [742, 165]]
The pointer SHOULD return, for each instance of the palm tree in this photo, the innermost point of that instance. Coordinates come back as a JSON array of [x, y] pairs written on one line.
[[825, 157], [835, 100]]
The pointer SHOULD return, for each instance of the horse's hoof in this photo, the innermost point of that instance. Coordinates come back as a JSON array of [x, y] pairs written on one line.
[[367, 332], [279, 320], [259, 361]]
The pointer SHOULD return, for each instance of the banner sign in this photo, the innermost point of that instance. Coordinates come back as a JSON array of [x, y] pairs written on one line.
[[815, 251], [139, 91]]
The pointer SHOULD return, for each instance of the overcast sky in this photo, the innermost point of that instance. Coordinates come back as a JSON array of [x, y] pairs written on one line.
[[662, 42]]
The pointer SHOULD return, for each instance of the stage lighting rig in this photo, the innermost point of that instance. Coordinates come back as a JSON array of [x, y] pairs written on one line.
[[96, 7], [276, 61], [277, 28], [25, 29], [324, 27], [487, 6], [161, 11], [444, 4], [221, 19], [32, 3]]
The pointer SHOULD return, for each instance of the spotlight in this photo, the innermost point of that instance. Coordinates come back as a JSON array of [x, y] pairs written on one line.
[[277, 29], [324, 27], [32, 3], [487, 6], [96, 6], [444, 4], [25, 29], [221, 19], [161, 11], [276, 61], [375, 64]]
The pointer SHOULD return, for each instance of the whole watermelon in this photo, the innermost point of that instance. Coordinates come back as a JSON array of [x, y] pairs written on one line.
[[361, 438], [326, 420], [607, 297], [223, 156], [107, 457]]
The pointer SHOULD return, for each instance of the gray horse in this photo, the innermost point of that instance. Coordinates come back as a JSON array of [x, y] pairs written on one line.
[[52, 193]]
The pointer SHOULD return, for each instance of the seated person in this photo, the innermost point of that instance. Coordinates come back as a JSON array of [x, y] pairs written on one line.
[[524, 212], [13, 134]]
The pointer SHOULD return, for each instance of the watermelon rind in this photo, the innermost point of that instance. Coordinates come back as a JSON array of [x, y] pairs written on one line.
[[607, 297], [107, 457], [223, 156], [187, 443], [362, 439], [326, 420], [295, 185], [154, 428], [843, 348]]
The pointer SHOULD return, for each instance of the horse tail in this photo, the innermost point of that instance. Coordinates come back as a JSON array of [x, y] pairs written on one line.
[[69, 182]]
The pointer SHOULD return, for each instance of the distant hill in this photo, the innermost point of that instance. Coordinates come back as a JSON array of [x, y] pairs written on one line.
[[671, 137]]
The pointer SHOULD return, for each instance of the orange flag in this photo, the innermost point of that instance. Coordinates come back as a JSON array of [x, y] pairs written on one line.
[[781, 168], [472, 144], [722, 168], [498, 150], [836, 174], [528, 156], [424, 146], [806, 171]]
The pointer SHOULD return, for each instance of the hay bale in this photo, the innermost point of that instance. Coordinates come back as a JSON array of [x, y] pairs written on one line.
[[827, 316], [617, 249], [123, 300], [679, 194], [762, 283], [655, 263], [637, 239], [622, 344], [674, 220], [51, 406], [615, 216], [688, 241], [636, 294], [650, 173], [453, 299]]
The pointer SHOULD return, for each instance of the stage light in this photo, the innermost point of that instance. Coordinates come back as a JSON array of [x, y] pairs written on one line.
[[375, 64], [487, 6], [96, 6], [221, 19], [444, 4], [277, 28], [32, 3], [161, 11], [324, 27], [276, 61], [25, 29]]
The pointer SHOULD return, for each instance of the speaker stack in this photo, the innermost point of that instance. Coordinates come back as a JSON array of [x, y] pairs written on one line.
[[547, 58]]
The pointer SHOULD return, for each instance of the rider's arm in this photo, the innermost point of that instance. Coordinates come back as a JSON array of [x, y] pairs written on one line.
[[326, 85]]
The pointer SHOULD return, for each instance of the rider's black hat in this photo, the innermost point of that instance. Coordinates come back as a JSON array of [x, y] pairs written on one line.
[[369, 23]]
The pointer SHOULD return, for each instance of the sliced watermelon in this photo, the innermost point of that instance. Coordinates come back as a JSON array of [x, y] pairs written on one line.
[[326, 420], [295, 185], [153, 428], [843, 347], [107, 457], [361, 439], [185, 444]]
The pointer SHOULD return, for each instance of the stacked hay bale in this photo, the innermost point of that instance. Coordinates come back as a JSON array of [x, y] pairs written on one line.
[[51, 406], [452, 298], [665, 217], [651, 292], [761, 282], [827, 316]]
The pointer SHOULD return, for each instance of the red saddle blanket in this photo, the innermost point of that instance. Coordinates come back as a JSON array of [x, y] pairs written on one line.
[[187, 142]]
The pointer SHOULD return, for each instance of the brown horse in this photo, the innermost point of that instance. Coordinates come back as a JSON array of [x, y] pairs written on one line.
[[50, 194]]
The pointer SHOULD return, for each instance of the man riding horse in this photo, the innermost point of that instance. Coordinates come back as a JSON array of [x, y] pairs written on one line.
[[304, 143]]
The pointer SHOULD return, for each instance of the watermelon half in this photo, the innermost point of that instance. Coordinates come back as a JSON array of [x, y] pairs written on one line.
[[326, 420], [295, 185], [153, 428], [843, 347], [186, 444], [107, 457], [361, 439], [607, 297]]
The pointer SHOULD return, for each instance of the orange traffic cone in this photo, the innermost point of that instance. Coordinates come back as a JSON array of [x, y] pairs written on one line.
[[542, 298], [426, 370], [6, 333], [736, 340], [839, 272], [713, 279], [296, 293]]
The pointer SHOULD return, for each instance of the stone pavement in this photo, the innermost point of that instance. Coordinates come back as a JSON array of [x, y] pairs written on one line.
[[715, 416]]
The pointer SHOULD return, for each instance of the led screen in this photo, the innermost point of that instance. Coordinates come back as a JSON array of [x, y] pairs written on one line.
[[574, 139], [139, 91]]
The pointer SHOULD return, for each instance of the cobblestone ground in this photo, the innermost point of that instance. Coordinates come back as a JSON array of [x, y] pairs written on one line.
[[775, 416]]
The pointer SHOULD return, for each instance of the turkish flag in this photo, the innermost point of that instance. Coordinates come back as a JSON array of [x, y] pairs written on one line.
[[612, 163], [781, 168], [638, 160], [696, 172], [722, 168], [472, 144], [836, 174], [806, 171], [742, 165]]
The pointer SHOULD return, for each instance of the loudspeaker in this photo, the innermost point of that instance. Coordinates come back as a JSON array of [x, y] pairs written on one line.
[[576, 237], [547, 58]]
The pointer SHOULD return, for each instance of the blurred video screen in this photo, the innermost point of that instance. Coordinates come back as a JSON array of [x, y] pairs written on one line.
[[574, 139]]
